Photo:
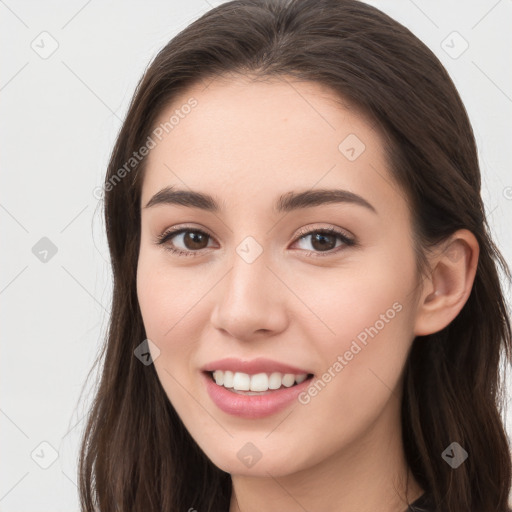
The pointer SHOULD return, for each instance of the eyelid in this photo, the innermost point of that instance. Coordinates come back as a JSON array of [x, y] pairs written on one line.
[[175, 230], [307, 230]]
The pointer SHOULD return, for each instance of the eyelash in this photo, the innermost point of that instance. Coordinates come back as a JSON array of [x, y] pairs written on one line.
[[167, 235]]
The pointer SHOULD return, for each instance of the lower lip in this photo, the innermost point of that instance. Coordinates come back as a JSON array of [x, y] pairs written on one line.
[[252, 406]]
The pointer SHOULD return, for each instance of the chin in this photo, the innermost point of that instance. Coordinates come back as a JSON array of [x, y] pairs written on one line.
[[270, 461]]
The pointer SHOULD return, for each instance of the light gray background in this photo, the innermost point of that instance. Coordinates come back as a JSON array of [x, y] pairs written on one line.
[[59, 119]]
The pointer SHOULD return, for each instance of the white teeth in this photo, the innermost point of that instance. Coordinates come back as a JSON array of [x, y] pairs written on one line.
[[240, 381], [288, 380], [228, 378], [219, 377], [259, 382], [275, 380], [300, 378]]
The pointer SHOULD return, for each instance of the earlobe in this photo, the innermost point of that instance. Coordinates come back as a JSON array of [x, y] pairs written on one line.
[[449, 284]]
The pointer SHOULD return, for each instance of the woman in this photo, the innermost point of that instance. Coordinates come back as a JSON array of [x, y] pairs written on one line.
[[307, 313]]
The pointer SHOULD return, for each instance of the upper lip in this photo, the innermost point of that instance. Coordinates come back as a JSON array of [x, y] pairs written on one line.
[[253, 366]]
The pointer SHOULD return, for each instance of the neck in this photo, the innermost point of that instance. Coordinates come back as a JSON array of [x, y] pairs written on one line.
[[371, 474]]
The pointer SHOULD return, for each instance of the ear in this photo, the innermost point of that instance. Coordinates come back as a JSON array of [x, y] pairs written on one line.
[[445, 291]]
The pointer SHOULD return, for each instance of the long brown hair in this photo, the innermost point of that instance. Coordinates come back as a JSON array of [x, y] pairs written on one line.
[[136, 454]]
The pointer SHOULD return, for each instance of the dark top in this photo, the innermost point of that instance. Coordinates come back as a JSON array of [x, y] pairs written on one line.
[[424, 503]]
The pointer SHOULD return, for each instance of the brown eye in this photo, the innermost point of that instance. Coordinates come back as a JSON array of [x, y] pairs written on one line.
[[195, 240], [184, 241], [324, 242]]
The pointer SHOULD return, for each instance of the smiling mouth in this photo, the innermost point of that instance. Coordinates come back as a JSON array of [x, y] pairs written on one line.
[[256, 384]]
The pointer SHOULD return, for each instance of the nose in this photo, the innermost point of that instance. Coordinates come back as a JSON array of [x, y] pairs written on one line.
[[252, 301]]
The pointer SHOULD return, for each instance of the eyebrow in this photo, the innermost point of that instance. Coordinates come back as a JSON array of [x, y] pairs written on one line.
[[286, 203]]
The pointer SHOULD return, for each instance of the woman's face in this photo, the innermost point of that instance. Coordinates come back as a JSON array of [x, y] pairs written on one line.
[[264, 279]]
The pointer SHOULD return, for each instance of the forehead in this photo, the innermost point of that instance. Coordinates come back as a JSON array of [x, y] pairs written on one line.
[[263, 138]]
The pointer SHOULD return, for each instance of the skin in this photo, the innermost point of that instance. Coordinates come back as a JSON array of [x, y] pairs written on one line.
[[246, 143]]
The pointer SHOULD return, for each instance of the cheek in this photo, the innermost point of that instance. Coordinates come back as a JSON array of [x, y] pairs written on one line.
[[364, 302], [175, 314], [368, 317], [166, 295], [166, 301]]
